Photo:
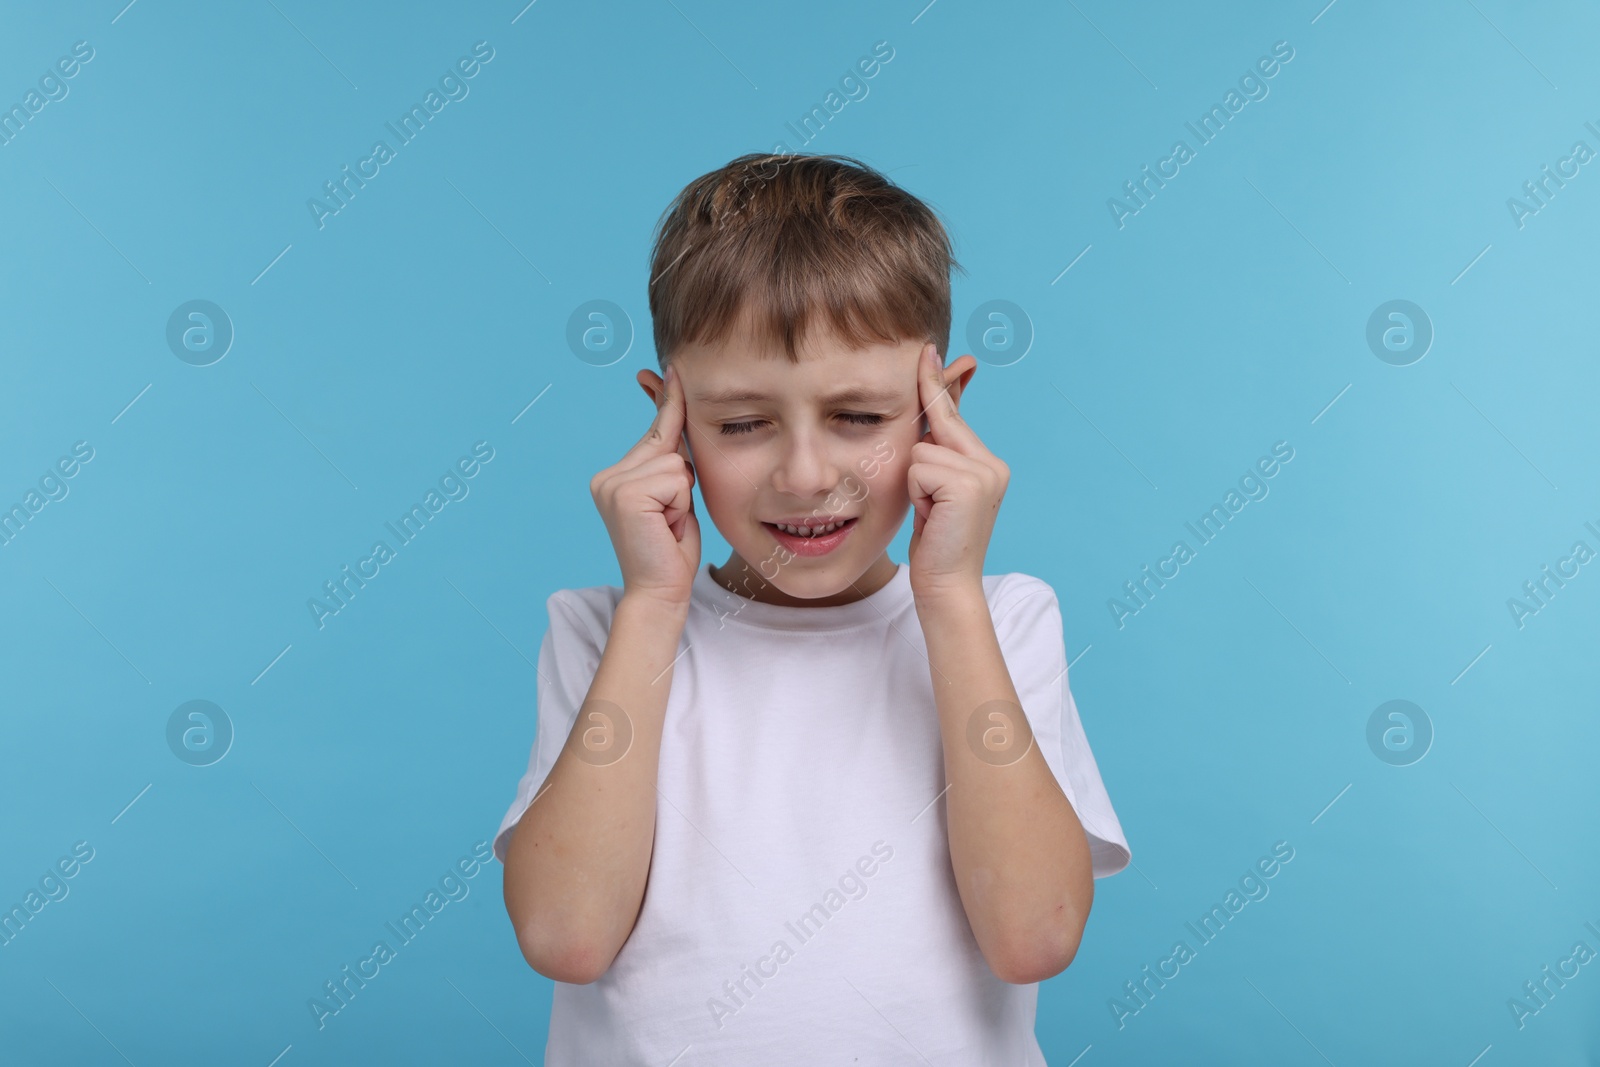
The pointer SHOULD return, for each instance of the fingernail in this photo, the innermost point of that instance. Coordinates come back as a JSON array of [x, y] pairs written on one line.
[[669, 374]]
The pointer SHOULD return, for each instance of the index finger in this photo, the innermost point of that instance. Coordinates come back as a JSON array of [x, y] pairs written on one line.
[[944, 422]]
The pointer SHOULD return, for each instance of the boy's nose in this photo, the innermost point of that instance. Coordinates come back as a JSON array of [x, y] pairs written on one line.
[[807, 471]]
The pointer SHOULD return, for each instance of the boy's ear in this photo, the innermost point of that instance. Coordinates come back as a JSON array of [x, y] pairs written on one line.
[[958, 375], [656, 389], [653, 385]]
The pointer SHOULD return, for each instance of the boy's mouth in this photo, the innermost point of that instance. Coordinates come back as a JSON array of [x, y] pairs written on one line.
[[811, 528], [817, 540]]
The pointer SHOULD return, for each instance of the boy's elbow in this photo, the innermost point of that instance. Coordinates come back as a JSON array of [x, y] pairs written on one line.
[[1036, 965], [571, 963], [1048, 949], [1042, 958], [555, 949], [1037, 955]]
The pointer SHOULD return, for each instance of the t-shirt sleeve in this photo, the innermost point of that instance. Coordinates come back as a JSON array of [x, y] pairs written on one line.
[[1028, 625], [568, 659]]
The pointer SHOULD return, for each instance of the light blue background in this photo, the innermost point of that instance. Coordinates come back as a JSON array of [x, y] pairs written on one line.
[[430, 312]]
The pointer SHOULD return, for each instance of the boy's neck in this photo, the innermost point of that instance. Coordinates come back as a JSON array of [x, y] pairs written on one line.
[[739, 577]]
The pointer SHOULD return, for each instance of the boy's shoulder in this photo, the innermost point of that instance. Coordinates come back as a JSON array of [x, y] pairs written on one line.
[[1007, 591], [589, 607], [586, 594]]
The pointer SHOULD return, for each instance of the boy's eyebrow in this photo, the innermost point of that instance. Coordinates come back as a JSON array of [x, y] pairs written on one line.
[[854, 395]]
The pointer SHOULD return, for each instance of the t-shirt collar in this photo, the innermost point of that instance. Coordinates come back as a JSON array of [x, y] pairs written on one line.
[[730, 607]]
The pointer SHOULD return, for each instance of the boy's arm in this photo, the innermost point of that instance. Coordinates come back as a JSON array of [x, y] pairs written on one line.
[[1021, 859], [579, 857]]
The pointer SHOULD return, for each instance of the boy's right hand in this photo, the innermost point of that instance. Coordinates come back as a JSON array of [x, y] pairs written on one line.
[[647, 502]]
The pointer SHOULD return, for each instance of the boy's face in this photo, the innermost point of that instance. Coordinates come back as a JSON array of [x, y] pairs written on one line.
[[796, 449]]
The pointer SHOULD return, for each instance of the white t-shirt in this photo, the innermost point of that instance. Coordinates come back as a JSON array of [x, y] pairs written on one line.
[[801, 907]]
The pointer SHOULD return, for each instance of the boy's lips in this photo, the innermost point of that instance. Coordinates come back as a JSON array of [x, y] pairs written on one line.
[[810, 520], [816, 544]]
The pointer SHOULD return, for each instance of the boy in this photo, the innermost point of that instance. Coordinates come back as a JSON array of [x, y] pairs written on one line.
[[879, 819]]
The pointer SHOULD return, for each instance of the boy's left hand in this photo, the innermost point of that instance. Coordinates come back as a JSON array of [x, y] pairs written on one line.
[[956, 485]]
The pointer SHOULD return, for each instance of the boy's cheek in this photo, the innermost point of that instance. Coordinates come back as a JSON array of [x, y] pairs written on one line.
[[877, 459], [726, 493], [730, 479], [870, 467], [853, 490], [889, 460]]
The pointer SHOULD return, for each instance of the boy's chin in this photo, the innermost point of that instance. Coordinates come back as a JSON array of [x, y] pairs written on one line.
[[812, 578], [818, 579]]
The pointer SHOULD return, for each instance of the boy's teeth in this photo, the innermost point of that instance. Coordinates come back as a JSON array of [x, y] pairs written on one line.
[[809, 531]]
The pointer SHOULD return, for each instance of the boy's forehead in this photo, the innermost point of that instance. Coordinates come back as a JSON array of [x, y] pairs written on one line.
[[855, 377], [741, 371]]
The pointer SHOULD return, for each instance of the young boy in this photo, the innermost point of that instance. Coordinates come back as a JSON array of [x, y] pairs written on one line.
[[879, 820]]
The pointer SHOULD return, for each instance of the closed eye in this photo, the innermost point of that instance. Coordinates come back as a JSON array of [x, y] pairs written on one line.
[[730, 428]]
